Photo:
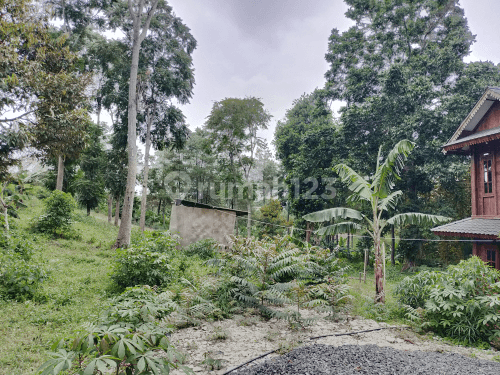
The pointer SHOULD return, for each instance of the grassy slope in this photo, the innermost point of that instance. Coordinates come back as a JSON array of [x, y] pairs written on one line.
[[76, 291]]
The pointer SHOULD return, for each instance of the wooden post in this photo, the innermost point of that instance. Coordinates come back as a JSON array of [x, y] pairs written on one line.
[[366, 261], [308, 232], [393, 247]]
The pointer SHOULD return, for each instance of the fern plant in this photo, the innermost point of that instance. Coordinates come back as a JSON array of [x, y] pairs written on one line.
[[260, 270], [197, 302]]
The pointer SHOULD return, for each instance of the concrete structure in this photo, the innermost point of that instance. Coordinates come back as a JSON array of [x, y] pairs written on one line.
[[479, 137], [196, 221]]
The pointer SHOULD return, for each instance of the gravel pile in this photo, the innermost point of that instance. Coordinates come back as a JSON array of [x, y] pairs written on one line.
[[369, 359]]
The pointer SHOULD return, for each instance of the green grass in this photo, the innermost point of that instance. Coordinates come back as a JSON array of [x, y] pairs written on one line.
[[77, 290], [362, 303]]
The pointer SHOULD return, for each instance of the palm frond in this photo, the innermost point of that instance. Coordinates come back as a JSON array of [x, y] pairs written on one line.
[[355, 183], [390, 202], [345, 227], [389, 171], [333, 213], [417, 218]]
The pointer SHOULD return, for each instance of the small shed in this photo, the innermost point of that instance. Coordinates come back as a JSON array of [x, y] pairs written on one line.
[[479, 136], [194, 221]]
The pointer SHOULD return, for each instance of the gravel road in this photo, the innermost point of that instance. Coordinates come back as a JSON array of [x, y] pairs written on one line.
[[370, 360]]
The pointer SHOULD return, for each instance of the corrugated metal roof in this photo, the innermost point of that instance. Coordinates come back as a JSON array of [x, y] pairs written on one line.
[[202, 205], [483, 133], [471, 226]]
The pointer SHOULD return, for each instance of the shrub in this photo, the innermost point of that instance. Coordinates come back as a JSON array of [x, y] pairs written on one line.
[[145, 263], [125, 340], [18, 278], [56, 219], [257, 268], [137, 306], [415, 290], [205, 249], [462, 302], [465, 303], [276, 271]]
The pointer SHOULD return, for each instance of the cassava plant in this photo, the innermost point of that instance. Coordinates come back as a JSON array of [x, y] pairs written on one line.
[[125, 341], [377, 193]]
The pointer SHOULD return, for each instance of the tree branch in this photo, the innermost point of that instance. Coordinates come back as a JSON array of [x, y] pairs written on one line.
[[148, 20], [15, 118]]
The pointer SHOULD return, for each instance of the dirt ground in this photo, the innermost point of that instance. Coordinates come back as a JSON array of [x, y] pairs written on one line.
[[247, 337]]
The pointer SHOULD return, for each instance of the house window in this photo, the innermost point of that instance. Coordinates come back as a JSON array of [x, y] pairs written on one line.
[[491, 258], [488, 184]]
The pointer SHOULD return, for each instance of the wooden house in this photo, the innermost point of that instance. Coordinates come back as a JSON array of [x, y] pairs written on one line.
[[479, 136]]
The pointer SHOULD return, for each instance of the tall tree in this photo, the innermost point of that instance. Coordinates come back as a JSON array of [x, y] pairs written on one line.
[[166, 74], [141, 12], [234, 124], [394, 69], [308, 144], [62, 118], [90, 182]]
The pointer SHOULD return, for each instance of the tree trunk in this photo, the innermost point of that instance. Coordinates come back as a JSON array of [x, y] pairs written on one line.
[[379, 271], [5, 210], [6, 218], [159, 206], [393, 247], [144, 194], [117, 211], [138, 36], [308, 232], [60, 173], [110, 207], [249, 218], [164, 214]]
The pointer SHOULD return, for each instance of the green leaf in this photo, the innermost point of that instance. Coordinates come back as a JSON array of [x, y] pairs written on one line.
[[141, 365], [387, 174], [416, 218], [89, 370], [355, 183], [347, 227], [332, 214]]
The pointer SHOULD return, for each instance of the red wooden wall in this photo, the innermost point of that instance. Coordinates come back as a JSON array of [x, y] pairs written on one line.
[[481, 250]]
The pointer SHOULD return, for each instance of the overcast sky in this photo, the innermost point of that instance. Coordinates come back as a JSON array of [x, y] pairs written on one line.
[[274, 49]]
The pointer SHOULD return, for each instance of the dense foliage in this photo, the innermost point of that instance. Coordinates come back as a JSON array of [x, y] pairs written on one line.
[[462, 302], [20, 275], [57, 217], [147, 262], [125, 339]]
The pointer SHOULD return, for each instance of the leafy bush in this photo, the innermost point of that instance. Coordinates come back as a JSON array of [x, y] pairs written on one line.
[[19, 279], [415, 290], [462, 302], [56, 219], [259, 274], [256, 269], [146, 262], [465, 303], [198, 300], [205, 249], [125, 340]]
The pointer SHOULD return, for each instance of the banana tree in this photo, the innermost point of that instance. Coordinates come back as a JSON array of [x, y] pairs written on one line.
[[377, 192]]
